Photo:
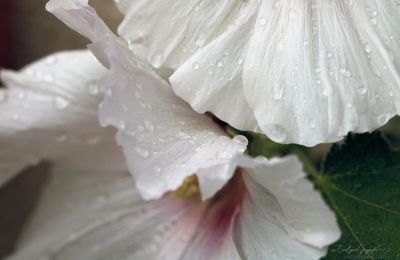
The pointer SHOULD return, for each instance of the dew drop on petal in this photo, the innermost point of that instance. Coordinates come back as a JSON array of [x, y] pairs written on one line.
[[262, 21], [362, 89], [383, 119], [368, 48], [142, 152], [121, 125], [240, 139], [149, 125], [93, 88], [60, 103], [48, 77], [196, 66], [276, 132], [157, 58], [223, 154], [51, 60]]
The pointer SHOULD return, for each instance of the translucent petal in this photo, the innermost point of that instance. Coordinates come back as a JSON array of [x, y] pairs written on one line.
[[164, 140], [214, 73], [315, 71], [48, 111], [99, 215], [167, 33], [278, 218]]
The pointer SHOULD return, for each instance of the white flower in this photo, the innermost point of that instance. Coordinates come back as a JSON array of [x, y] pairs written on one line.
[[234, 207], [164, 140], [302, 71], [48, 111], [266, 211]]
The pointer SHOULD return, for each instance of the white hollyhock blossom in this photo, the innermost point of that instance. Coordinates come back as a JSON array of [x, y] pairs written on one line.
[[266, 211], [48, 111], [164, 140], [303, 71]]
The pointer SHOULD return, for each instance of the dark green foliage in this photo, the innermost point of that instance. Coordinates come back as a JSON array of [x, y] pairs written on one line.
[[361, 182]]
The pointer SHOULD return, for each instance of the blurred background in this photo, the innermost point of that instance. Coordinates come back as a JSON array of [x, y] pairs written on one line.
[[28, 32]]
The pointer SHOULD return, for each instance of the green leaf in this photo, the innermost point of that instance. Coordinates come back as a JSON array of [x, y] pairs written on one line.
[[360, 180]]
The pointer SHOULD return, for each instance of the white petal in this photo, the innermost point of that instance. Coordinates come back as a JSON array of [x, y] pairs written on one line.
[[99, 215], [316, 71], [167, 33], [49, 111], [257, 238], [214, 77], [163, 138], [280, 210]]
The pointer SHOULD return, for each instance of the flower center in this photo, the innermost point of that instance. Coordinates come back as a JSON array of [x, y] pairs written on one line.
[[231, 193], [189, 190]]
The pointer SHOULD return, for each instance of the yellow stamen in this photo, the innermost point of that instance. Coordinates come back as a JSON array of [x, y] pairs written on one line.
[[189, 190]]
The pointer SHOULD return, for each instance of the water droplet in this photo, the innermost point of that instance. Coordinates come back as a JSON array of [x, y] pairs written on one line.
[[262, 21], [183, 164], [60, 103], [157, 58], [345, 72], [362, 89], [121, 125], [48, 77], [368, 48], [277, 92], [224, 155], [383, 119], [240, 139], [51, 60], [196, 66], [93, 88], [182, 135], [142, 152], [276, 132], [149, 125]]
